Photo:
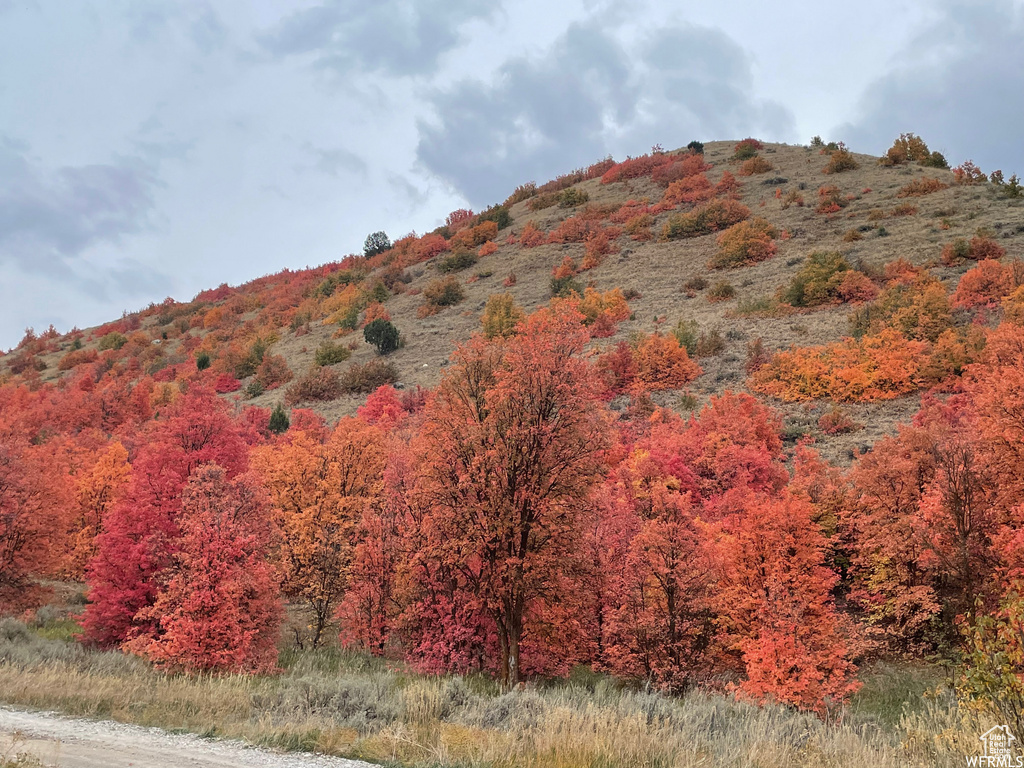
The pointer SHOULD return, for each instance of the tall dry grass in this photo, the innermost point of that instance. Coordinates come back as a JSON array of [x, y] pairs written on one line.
[[352, 705]]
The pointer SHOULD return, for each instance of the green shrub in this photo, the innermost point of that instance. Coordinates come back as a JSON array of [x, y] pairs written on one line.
[[696, 147], [498, 214], [279, 421], [376, 243], [562, 287], [817, 281], [687, 332], [331, 353], [572, 197], [383, 335], [721, 291], [705, 219], [368, 376], [202, 361], [455, 261], [255, 388], [112, 340], [443, 293]]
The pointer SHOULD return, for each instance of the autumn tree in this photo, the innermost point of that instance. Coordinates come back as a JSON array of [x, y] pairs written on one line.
[[96, 492], [320, 492], [140, 533], [778, 614], [510, 446], [32, 494], [661, 625], [219, 610]]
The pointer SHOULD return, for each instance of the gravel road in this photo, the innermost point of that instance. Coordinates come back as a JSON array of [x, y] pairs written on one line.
[[71, 743]]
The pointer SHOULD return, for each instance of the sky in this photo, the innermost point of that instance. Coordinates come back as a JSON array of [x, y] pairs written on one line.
[[152, 149]]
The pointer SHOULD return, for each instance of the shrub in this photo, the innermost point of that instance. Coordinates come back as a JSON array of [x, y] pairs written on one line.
[[904, 209], [852, 236], [757, 355], [202, 361], [455, 261], [721, 291], [747, 149], [755, 166], [704, 220], [986, 285], [747, 242], [572, 197], [688, 165], [696, 147], [501, 315], [499, 214], [841, 160], [254, 389], [279, 421], [112, 340], [878, 367], [636, 167], [487, 249], [564, 286], [836, 422], [445, 292], [907, 147], [968, 173], [540, 202], [532, 236], [273, 371], [383, 335], [662, 363], [330, 353], [689, 190], [472, 237], [856, 287], [979, 248], [818, 280], [687, 332], [793, 197], [574, 229], [710, 343], [76, 357], [522, 192], [639, 227], [317, 385], [227, 383], [368, 376], [376, 243], [921, 187], [694, 284], [830, 199]]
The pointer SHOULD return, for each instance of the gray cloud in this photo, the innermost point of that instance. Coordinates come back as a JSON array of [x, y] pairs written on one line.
[[958, 85], [396, 37], [591, 95], [337, 162], [47, 216]]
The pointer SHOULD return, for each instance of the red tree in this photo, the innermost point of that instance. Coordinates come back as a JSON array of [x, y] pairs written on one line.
[[219, 610], [510, 446], [775, 597], [141, 532]]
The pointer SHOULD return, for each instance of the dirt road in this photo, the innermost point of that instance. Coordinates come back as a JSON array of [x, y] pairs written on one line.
[[71, 743]]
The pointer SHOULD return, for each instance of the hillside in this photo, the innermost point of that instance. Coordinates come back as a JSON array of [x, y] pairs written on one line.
[[298, 312]]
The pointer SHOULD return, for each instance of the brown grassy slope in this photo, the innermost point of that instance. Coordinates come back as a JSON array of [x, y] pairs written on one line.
[[658, 270]]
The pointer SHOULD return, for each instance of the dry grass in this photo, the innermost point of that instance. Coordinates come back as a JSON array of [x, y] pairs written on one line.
[[352, 705]]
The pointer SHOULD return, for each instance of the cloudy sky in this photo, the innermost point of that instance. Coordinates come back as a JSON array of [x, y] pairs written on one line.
[[155, 149]]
